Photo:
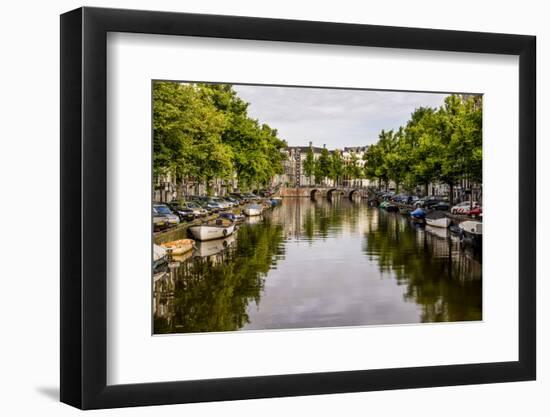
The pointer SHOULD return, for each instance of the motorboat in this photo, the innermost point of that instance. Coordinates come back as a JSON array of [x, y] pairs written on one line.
[[253, 210], [438, 219], [214, 229], [178, 247], [472, 232]]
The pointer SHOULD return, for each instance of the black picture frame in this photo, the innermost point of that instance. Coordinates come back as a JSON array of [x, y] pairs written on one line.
[[84, 207]]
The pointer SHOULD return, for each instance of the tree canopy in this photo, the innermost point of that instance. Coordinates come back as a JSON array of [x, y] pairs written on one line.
[[203, 131], [436, 145]]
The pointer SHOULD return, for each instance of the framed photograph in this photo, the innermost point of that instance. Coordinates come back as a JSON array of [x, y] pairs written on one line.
[[256, 208]]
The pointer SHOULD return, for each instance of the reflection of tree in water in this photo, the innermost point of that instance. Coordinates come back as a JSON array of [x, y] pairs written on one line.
[[439, 276], [212, 293]]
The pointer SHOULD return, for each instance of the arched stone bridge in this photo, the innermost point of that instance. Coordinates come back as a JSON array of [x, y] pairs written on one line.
[[323, 192]]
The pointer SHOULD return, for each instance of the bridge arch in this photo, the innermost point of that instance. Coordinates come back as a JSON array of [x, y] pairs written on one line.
[[353, 192], [334, 191], [314, 192]]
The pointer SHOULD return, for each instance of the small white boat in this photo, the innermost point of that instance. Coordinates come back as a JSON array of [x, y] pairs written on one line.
[[159, 256], [216, 229], [472, 232], [438, 221], [253, 210], [178, 247]]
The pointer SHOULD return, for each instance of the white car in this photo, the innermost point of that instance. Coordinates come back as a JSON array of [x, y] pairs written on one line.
[[463, 207]]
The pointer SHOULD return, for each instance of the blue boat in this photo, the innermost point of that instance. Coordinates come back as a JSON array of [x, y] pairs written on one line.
[[418, 215]]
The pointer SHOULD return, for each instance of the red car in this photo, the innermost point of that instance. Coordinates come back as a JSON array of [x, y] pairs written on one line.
[[476, 211]]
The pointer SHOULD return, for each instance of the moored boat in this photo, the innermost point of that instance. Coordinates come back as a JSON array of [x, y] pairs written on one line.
[[159, 256], [418, 215], [237, 218], [438, 219], [215, 229], [178, 247], [472, 232], [253, 210], [391, 208]]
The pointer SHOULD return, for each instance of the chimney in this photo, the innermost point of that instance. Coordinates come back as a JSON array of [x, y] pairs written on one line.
[[324, 145], [310, 144]]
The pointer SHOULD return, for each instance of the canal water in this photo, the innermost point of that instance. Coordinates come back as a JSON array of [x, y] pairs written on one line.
[[320, 263]]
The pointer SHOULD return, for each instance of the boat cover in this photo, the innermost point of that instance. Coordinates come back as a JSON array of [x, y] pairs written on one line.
[[418, 213]]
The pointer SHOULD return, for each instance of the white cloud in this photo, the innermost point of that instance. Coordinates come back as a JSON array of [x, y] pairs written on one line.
[[333, 117]]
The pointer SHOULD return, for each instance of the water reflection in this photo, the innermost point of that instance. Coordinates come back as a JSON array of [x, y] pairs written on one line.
[[440, 276], [318, 263]]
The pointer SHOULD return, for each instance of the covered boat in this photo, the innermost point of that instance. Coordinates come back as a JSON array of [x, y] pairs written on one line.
[[438, 219], [214, 229], [418, 215], [253, 210], [237, 218], [178, 247]]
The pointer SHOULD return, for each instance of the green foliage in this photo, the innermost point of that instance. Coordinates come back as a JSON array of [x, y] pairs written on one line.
[[336, 170], [309, 163], [203, 131], [323, 165], [443, 145], [353, 169]]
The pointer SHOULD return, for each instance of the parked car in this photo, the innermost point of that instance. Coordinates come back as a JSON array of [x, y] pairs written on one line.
[[430, 201], [441, 206], [412, 199], [232, 200], [475, 212], [207, 204], [197, 210], [462, 208], [160, 222], [224, 204], [163, 209], [183, 213]]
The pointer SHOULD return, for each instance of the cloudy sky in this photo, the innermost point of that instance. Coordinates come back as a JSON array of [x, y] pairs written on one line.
[[333, 117]]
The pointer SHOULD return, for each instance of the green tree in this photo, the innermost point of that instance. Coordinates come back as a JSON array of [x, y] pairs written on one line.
[[336, 170], [323, 165], [187, 134], [257, 155], [309, 165]]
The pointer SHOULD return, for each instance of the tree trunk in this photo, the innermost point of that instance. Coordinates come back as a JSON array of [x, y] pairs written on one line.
[[451, 194]]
